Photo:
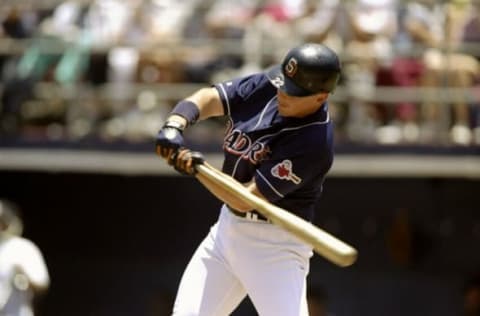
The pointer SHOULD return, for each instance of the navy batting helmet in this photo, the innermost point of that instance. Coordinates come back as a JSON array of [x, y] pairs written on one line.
[[306, 70]]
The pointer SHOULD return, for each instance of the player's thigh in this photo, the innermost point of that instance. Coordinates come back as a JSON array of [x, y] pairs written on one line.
[[280, 290], [207, 287], [273, 269]]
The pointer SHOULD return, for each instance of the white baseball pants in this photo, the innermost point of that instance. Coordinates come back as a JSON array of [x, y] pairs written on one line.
[[243, 256]]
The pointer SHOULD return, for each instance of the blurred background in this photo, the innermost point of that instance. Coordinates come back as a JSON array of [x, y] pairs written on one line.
[[86, 84]]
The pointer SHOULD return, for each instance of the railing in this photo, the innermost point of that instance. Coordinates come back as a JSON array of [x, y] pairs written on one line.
[[176, 91]]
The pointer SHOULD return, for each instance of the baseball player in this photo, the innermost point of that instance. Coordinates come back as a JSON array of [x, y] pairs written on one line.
[[278, 143], [23, 272]]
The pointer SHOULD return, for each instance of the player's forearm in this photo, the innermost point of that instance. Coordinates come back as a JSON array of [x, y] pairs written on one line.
[[201, 105], [223, 195], [208, 102], [421, 33]]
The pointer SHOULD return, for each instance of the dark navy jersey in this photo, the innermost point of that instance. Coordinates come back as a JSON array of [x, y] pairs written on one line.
[[287, 157]]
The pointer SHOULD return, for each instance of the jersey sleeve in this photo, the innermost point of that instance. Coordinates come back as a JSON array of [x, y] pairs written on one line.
[[290, 171], [31, 262]]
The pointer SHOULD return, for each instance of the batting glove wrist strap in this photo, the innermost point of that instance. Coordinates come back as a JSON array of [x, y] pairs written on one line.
[[174, 124], [188, 110]]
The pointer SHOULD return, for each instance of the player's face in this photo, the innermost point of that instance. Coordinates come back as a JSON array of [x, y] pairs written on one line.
[[291, 106]]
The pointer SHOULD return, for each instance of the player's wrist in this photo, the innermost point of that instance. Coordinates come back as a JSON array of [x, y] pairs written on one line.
[[175, 122], [186, 112]]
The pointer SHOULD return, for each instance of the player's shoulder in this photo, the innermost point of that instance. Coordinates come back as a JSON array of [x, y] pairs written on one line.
[[312, 125], [314, 134], [19, 244], [249, 83], [256, 78]]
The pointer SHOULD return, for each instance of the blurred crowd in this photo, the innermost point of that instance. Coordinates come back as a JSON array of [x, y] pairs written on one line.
[[112, 69]]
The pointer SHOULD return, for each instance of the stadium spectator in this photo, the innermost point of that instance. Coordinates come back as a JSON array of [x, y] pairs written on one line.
[[434, 29], [372, 27], [271, 27], [323, 22]]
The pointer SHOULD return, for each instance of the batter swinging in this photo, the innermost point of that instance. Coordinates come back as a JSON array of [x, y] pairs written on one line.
[[278, 143]]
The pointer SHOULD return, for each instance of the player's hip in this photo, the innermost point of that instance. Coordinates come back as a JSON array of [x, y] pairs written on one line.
[[252, 232]]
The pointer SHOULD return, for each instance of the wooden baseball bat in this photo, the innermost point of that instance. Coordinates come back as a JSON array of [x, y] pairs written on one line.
[[322, 242]]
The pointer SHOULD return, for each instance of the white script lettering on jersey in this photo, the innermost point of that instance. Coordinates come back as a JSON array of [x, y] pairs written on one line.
[[239, 144]]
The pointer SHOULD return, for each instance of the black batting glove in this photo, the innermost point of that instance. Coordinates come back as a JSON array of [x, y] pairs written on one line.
[[184, 161], [169, 139]]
